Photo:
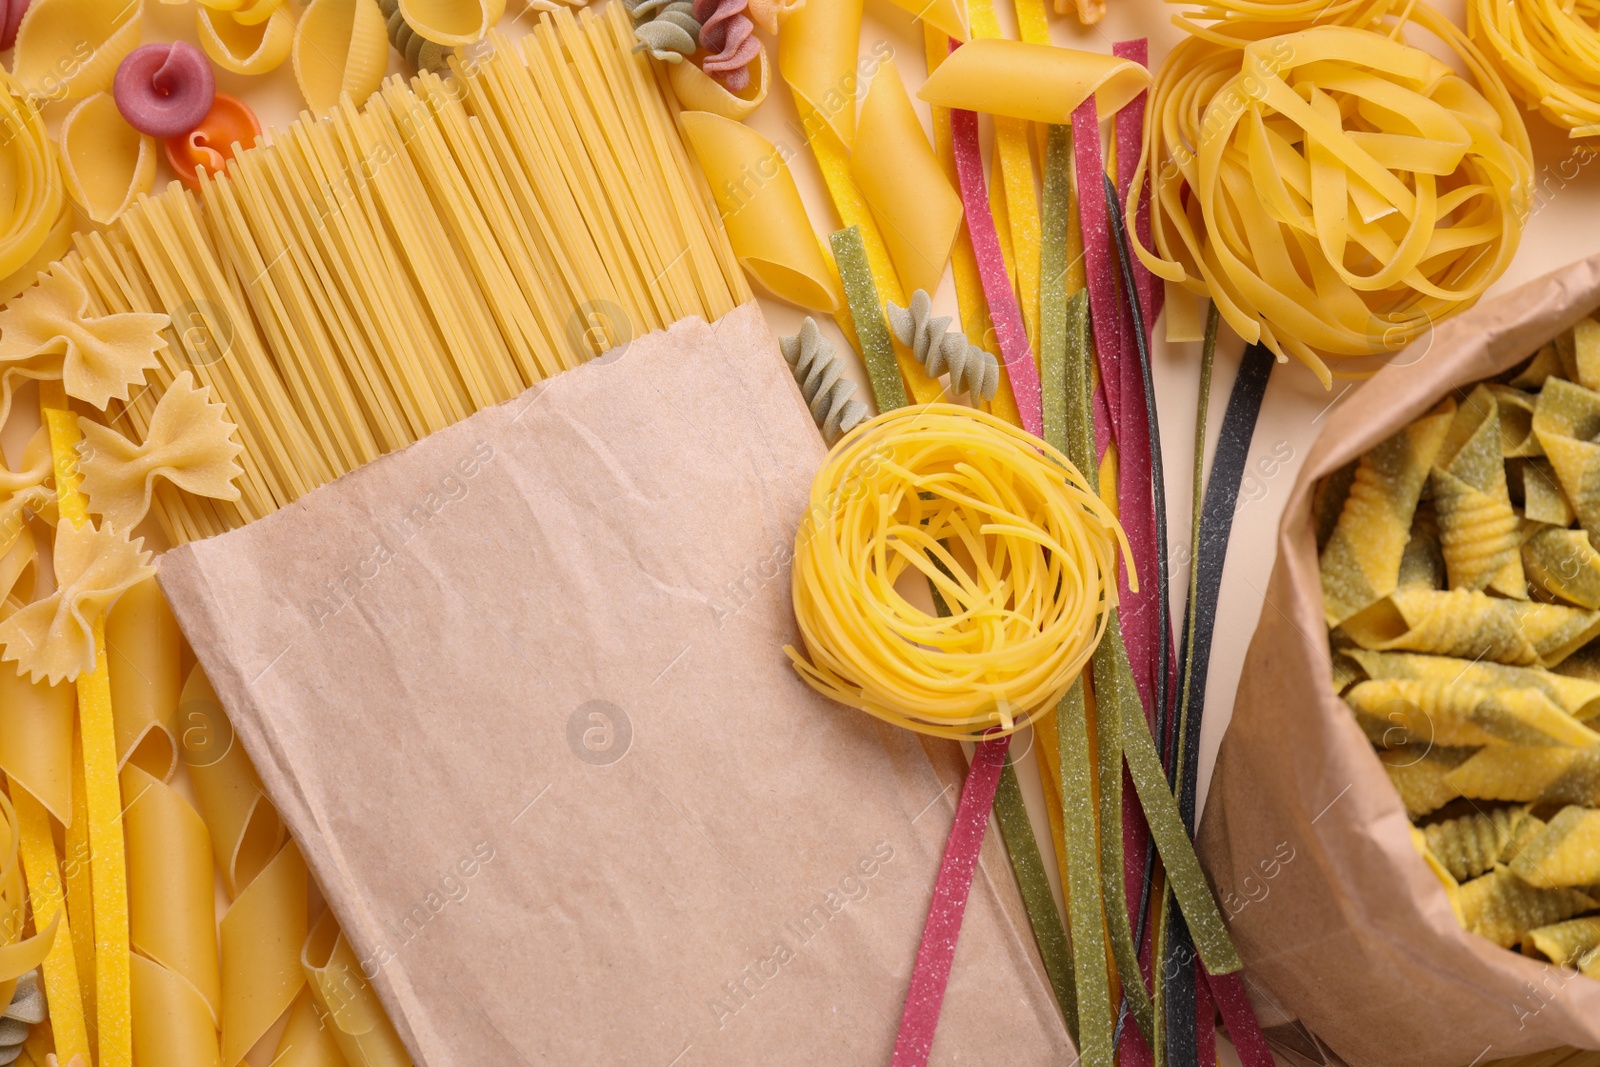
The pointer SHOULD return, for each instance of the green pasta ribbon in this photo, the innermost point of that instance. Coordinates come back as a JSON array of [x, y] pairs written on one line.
[[861, 293]]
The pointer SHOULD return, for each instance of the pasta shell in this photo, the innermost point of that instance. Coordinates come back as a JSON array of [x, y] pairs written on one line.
[[69, 49], [105, 163], [340, 46], [245, 49], [453, 22], [1464, 715], [698, 91]]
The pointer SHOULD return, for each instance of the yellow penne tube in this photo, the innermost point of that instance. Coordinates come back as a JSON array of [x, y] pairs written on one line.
[[261, 936], [1029, 81], [341, 989], [817, 57], [761, 207], [307, 1039], [894, 166]]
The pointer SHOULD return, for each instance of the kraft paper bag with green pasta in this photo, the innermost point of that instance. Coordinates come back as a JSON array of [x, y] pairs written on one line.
[[1452, 603]]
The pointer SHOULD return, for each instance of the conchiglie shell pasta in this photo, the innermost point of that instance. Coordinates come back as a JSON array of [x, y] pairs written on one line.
[[340, 46], [452, 22], [105, 163], [69, 49], [245, 49]]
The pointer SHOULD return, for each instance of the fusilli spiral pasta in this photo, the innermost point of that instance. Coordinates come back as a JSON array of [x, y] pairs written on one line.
[[821, 378], [930, 339], [727, 32], [667, 30]]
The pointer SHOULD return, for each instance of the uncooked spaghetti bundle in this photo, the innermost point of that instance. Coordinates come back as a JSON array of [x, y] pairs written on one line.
[[1021, 551], [1334, 190]]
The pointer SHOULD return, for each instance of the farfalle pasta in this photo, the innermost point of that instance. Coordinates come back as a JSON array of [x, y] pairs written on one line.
[[105, 163], [1322, 225], [52, 639], [189, 443], [50, 333]]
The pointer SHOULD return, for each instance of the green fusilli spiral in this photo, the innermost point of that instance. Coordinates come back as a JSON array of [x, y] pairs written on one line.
[[821, 378], [942, 351]]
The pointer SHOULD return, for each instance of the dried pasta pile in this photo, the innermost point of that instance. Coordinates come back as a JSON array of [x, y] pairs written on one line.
[[1462, 587]]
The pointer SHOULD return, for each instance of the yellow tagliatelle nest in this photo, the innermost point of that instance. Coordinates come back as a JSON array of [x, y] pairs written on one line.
[[1018, 547], [1334, 190], [1549, 52]]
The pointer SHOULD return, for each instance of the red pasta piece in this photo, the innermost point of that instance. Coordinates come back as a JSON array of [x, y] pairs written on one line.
[[14, 10], [165, 90], [1130, 140], [727, 32]]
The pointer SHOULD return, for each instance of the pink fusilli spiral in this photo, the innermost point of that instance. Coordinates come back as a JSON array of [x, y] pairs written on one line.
[[729, 35]]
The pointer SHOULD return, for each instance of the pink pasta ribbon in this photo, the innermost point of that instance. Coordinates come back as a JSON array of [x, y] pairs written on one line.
[[727, 32]]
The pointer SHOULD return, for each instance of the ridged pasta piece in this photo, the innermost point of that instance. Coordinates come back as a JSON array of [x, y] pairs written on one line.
[[1361, 563], [1477, 528], [1441, 871], [1423, 782], [1567, 853], [1543, 499], [340, 47], [820, 375], [1567, 422], [1527, 775], [1327, 501], [667, 29], [452, 22], [1466, 715], [53, 638], [421, 53], [1472, 625], [1423, 564], [50, 333], [1473, 844], [68, 49], [943, 351], [246, 48], [1563, 564], [105, 163], [1579, 697], [190, 443], [1568, 944], [1503, 908], [1515, 411]]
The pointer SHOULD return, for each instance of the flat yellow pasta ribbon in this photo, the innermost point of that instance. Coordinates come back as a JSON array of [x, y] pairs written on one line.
[[1335, 191], [340, 47], [1037, 82], [1003, 527], [105, 163], [190, 443]]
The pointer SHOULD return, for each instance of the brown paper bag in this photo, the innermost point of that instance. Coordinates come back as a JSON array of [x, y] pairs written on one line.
[[520, 693], [1307, 843]]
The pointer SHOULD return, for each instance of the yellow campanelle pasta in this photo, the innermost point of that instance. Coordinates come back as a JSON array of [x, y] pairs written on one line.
[[1472, 625], [68, 49], [105, 163], [1566, 420], [1503, 908], [1361, 561], [1563, 564], [984, 513], [1272, 195], [1478, 531], [1472, 844], [246, 47], [760, 204], [176, 979], [1466, 715], [340, 47], [1523, 774], [1543, 499], [1579, 697], [1568, 944], [893, 165], [1030, 81]]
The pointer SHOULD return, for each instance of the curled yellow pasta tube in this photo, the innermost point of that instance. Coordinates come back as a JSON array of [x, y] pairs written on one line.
[[144, 648], [1031, 81], [452, 22], [246, 48], [105, 163], [262, 935], [307, 1039], [698, 91], [176, 983], [762, 209], [817, 57], [36, 740], [340, 46], [360, 1026], [918, 212], [68, 49], [1007, 531], [1335, 191]]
